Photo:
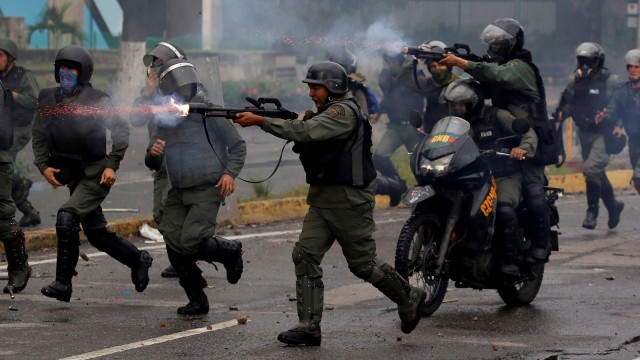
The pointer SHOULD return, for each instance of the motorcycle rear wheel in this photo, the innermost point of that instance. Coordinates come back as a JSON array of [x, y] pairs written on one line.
[[522, 292], [416, 258]]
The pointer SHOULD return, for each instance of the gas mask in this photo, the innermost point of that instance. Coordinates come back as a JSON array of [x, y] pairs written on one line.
[[499, 53], [586, 65]]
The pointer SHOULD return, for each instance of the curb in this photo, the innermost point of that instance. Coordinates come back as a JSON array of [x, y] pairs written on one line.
[[265, 211]]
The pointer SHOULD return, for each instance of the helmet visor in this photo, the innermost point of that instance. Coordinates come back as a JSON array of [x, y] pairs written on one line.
[[494, 36]]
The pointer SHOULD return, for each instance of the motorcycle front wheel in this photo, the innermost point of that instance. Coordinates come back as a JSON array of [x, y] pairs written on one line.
[[417, 257], [524, 291]]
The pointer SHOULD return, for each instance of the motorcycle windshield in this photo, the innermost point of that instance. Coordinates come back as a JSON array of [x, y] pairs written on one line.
[[446, 131]]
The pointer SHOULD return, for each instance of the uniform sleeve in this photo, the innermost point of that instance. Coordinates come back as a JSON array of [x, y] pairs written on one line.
[[235, 144], [39, 144], [333, 123], [565, 99], [405, 78], [27, 90], [513, 76], [119, 136], [528, 141], [614, 107]]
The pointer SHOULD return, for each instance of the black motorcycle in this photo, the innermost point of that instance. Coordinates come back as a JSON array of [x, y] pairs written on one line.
[[451, 233]]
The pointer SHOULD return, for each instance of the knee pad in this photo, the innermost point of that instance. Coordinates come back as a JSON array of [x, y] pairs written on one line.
[[67, 225], [535, 197], [303, 264], [506, 214]]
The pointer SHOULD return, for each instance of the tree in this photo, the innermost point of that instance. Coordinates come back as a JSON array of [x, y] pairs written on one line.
[[52, 20], [130, 76]]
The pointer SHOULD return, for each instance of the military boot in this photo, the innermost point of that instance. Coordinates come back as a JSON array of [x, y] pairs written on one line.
[[68, 232], [125, 252], [227, 252], [398, 290], [310, 302], [395, 188], [21, 187], [31, 216], [17, 265], [198, 301], [540, 215], [614, 207], [593, 199]]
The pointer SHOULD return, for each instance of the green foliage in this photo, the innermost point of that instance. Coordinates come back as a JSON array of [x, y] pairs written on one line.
[[51, 20]]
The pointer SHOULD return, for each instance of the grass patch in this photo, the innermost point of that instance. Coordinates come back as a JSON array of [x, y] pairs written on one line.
[[293, 192]]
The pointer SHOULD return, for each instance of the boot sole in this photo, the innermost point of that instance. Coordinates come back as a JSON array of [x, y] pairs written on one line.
[[299, 342], [64, 297], [409, 327], [18, 289]]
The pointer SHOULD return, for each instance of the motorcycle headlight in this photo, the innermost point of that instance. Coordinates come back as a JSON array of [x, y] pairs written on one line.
[[437, 167]]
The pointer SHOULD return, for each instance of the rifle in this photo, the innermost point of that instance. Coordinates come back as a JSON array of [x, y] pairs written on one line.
[[209, 110], [437, 56]]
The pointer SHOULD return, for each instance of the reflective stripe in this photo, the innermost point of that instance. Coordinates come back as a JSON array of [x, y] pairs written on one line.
[[172, 48], [172, 67]]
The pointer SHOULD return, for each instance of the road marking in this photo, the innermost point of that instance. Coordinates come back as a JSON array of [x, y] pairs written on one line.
[[149, 342]]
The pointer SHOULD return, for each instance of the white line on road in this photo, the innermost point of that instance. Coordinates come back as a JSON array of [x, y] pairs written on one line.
[[148, 342]]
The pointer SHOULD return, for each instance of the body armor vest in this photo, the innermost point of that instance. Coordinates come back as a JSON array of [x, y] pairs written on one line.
[[590, 96], [74, 134], [21, 116], [341, 161], [486, 132]]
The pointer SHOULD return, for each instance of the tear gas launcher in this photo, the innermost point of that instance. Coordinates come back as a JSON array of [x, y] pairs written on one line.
[[460, 50], [258, 108]]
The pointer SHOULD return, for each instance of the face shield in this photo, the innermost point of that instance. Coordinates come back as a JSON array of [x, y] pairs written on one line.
[[500, 42], [178, 77]]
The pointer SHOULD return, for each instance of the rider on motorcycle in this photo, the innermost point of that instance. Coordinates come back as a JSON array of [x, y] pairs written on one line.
[[489, 123]]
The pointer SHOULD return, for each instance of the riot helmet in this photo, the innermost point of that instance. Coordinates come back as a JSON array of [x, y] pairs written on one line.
[[632, 57], [178, 77], [164, 51], [330, 75], [75, 57], [590, 58], [344, 57], [467, 92], [505, 37], [9, 47]]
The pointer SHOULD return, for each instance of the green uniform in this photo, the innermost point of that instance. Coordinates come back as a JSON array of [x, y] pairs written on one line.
[[337, 212], [11, 235], [86, 191], [431, 89], [24, 83]]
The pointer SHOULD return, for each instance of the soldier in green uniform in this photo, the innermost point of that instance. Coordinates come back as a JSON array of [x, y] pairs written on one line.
[[69, 144], [488, 124], [514, 84], [202, 174], [587, 94], [624, 112], [11, 234], [150, 94], [335, 150], [24, 89], [413, 76]]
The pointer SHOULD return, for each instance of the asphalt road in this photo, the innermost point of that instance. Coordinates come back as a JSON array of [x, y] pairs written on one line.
[[588, 307]]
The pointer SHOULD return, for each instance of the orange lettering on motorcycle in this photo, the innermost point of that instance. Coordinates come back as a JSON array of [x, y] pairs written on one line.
[[489, 201], [441, 138]]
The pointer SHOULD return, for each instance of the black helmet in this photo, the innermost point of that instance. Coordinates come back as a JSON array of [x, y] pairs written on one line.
[[179, 77], [504, 37], [8, 46], [590, 58], [330, 75], [465, 91], [343, 57], [164, 51], [75, 57]]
